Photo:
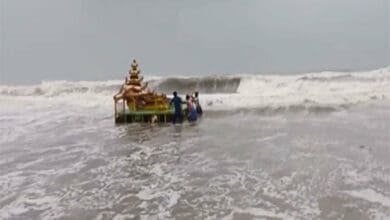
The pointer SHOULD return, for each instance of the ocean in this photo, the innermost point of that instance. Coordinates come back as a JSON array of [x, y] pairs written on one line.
[[304, 146]]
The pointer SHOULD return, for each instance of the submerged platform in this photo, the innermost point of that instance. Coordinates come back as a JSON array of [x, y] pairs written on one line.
[[145, 116]]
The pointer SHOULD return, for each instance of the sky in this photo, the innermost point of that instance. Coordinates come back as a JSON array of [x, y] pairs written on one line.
[[97, 39]]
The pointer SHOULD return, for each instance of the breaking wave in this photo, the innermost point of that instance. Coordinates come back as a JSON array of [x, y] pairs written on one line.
[[206, 85], [59, 88], [311, 92], [209, 84]]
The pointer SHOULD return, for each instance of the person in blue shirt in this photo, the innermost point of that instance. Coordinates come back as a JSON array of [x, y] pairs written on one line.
[[176, 100]]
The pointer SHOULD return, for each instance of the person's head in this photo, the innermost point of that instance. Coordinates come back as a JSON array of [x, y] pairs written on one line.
[[196, 94], [187, 97], [174, 93]]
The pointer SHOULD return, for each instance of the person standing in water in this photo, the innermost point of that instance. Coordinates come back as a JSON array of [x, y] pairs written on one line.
[[197, 104], [176, 100], [192, 116]]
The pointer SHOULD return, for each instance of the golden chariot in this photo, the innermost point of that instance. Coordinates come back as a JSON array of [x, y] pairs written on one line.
[[135, 102]]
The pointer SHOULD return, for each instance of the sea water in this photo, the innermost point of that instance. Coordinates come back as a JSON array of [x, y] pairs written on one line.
[[307, 146]]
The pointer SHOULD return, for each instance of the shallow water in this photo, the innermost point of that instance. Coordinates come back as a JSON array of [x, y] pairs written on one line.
[[74, 163], [309, 146]]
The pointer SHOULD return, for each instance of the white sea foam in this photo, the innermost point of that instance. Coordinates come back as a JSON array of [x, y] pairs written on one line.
[[330, 90], [257, 212], [371, 196], [124, 217]]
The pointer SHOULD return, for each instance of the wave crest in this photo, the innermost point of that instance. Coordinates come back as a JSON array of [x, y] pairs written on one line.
[[217, 84], [321, 92]]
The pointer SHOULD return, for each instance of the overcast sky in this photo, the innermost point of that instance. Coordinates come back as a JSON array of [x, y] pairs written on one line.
[[96, 39]]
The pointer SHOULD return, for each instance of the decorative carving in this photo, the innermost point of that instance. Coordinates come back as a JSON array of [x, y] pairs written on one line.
[[137, 94]]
